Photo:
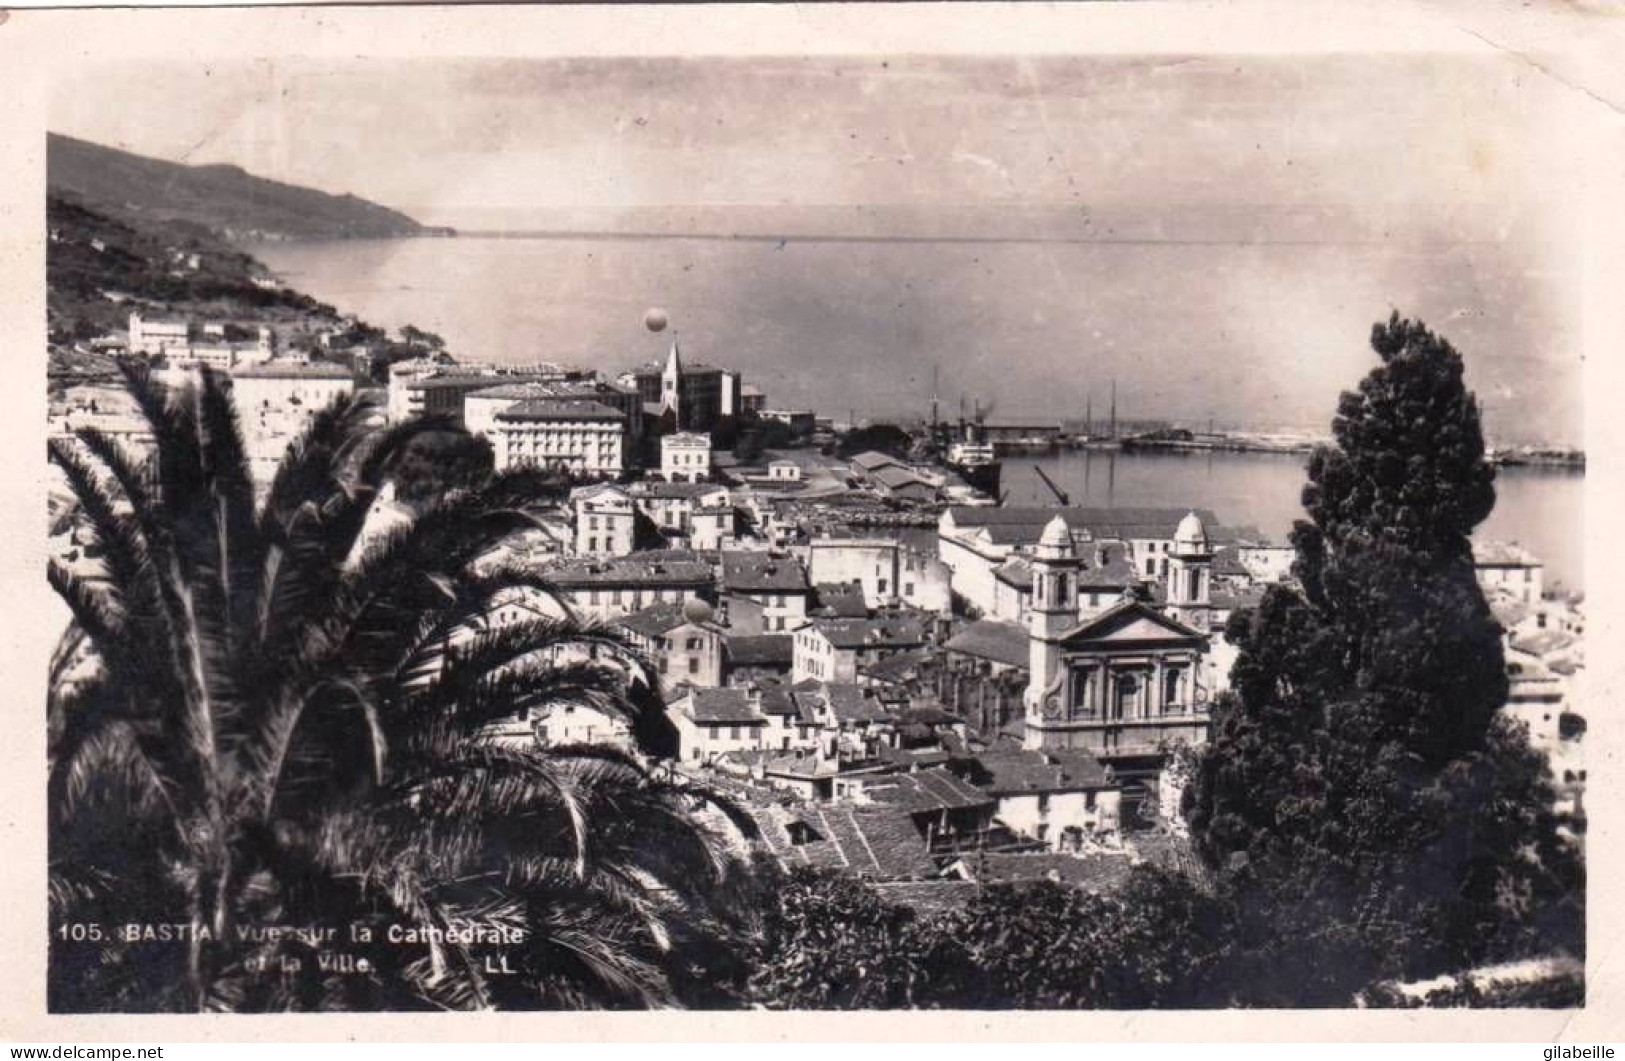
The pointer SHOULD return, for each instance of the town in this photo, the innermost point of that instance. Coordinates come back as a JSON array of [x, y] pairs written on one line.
[[894, 672]]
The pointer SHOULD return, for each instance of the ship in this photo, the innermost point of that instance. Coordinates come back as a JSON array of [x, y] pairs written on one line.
[[973, 458]]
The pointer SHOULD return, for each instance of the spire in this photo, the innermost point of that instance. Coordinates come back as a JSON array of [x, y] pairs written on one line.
[[674, 361]]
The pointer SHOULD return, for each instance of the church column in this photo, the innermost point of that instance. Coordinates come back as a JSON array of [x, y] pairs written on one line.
[[1156, 705]]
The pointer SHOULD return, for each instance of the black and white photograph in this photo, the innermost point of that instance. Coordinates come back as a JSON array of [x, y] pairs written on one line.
[[908, 528]]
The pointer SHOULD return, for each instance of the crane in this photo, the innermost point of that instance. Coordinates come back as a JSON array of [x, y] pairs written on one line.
[[1060, 495]]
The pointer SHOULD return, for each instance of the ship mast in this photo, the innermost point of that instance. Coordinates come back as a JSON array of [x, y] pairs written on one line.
[[1114, 408]]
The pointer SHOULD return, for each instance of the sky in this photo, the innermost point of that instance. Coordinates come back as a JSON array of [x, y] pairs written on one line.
[[1247, 218]]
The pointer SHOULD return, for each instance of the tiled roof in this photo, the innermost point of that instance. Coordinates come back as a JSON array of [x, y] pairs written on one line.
[[897, 668], [1016, 772], [926, 790], [1503, 554], [755, 650], [656, 619], [992, 639], [727, 705], [762, 572], [1096, 873], [572, 388], [929, 896], [1543, 642], [1236, 599], [842, 600], [1016, 572], [872, 841], [896, 477], [666, 568], [848, 703], [558, 409], [658, 489], [1108, 568], [867, 633]]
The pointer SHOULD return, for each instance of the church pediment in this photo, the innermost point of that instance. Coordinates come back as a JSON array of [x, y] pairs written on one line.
[[1130, 624]]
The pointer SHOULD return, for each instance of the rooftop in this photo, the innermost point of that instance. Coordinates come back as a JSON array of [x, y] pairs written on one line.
[[868, 633], [558, 409], [293, 370], [926, 790], [753, 572], [729, 705], [1017, 772], [548, 389], [755, 650], [657, 619], [992, 639], [870, 460], [665, 567]]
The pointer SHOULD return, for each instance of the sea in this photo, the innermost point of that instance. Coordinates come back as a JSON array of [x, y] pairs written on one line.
[[867, 328]]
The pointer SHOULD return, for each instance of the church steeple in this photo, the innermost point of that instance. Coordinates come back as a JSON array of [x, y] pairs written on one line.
[[1190, 573], [671, 385], [1053, 611]]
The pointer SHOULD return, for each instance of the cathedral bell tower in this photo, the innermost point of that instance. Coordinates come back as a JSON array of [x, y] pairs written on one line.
[[1190, 573], [1053, 611]]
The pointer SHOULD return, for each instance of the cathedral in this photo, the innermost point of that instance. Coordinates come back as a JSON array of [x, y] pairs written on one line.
[[1124, 681]]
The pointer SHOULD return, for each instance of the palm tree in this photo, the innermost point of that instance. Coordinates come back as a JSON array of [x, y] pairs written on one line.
[[260, 721]]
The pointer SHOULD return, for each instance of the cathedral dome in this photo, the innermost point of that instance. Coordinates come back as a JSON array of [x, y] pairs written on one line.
[[1056, 534], [1191, 535]]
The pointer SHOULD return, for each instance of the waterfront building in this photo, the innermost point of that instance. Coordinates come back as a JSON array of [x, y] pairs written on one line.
[[764, 593], [607, 589], [753, 401], [683, 639], [581, 437], [1120, 683], [403, 401], [685, 457], [801, 422], [833, 650], [605, 518], [901, 484], [1509, 570]]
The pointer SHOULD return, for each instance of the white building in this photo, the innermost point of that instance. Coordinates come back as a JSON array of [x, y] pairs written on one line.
[[1509, 570], [605, 520], [582, 437], [685, 457], [561, 724], [782, 471], [275, 402], [700, 514], [889, 571], [404, 401], [1062, 798], [153, 337]]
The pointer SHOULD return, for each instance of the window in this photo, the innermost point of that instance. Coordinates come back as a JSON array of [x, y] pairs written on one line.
[[1043, 803], [908, 589], [693, 665], [733, 732], [881, 586]]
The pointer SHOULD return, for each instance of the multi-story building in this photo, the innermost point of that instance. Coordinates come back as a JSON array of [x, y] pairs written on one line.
[[700, 514], [889, 571], [683, 640], [276, 401], [1059, 797], [582, 437], [764, 593], [833, 650], [803, 422], [685, 457], [1509, 570], [607, 589], [605, 520], [693, 394], [481, 407], [714, 722], [154, 336]]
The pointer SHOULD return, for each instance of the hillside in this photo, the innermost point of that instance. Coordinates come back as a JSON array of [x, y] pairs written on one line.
[[224, 199], [98, 267]]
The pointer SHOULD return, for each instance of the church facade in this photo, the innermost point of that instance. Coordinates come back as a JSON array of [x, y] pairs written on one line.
[[1123, 682]]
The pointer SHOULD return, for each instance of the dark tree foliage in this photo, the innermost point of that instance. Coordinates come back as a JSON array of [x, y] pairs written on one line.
[[436, 462], [1375, 816]]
